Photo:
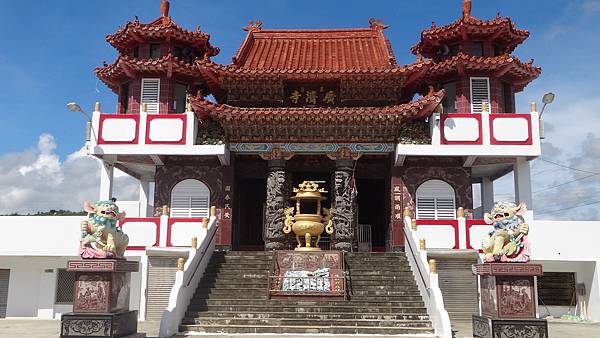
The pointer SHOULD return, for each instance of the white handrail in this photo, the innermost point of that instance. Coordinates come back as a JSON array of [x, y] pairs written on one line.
[[186, 281], [427, 282]]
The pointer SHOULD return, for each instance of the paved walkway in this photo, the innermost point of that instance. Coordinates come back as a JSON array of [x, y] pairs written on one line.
[[34, 328]]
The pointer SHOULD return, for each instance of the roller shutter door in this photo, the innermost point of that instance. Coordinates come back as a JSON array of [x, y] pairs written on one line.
[[4, 279], [161, 277], [459, 288]]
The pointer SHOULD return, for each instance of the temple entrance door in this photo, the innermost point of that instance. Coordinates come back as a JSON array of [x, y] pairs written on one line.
[[371, 200], [248, 229]]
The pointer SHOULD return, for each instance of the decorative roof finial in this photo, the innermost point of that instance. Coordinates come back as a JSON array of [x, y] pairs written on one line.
[[164, 8], [377, 24], [466, 8], [253, 26]]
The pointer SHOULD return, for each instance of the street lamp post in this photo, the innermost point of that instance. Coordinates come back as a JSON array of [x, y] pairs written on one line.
[[74, 107], [546, 99]]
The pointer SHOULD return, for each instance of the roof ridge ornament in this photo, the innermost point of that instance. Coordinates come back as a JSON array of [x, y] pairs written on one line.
[[253, 26], [377, 24], [466, 8], [164, 8]]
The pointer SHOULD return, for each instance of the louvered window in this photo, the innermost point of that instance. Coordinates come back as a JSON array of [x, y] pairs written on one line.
[[435, 200], [480, 91], [65, 280], [190, 199], [150, 94]]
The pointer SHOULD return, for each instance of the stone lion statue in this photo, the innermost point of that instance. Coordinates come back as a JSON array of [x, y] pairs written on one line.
[[100, 235], [507, 241]]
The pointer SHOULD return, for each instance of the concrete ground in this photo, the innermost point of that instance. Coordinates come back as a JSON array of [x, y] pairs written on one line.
[[34, 328]]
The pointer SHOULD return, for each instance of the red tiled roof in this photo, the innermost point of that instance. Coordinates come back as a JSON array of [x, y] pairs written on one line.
[[317, 124], [126, 67], [503, 65], [233, 69], [159, 29], [354, 124], [498, 29], [357, 49]]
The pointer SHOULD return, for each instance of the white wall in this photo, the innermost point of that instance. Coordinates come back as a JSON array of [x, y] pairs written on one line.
[[40, 235], [29, 246], [32, 286], [584, 273], [565, 240]]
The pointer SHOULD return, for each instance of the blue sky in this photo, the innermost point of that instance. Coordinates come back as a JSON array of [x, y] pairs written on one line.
[[50, 49]]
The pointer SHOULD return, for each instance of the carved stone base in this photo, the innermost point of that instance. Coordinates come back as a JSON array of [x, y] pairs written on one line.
[[508, 290], [486, 327], [101, 285], [109, 325]]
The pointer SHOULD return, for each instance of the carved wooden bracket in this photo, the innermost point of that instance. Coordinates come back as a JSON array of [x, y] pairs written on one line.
[[344, 153], [276, 154]]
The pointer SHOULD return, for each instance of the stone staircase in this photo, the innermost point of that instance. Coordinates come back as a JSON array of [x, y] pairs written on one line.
[[232, 298]]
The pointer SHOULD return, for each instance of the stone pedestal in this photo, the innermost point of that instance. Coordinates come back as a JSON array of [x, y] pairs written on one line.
[[101, 300], [508, 301]]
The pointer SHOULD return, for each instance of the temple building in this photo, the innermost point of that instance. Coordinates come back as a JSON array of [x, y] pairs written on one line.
[[220, 150], [331, 105]]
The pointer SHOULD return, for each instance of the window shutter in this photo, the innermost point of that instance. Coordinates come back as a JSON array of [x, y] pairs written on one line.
[[150, 94], [444, 208], [435, 200], [480, 91], [425, 207], [190, 199]]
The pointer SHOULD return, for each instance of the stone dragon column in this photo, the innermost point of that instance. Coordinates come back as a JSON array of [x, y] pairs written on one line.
[[343, 199], [276, 199]]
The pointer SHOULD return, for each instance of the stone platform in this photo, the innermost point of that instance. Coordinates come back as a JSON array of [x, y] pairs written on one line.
[[508, 301], [101, 300]]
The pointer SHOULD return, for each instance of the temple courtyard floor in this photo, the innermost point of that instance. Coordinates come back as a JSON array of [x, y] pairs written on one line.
[[50, 329]]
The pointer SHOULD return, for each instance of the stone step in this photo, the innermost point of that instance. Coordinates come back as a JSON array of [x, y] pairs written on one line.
[[324, 309], [309, 315], [236, 270], [304, 329], [371, 254], [359, 288], [382, 282], [370, 268], [382, 273], [262, 295], [386, 293], [201, 290], [381, 261], [240, 266], [300, 304], [324, 322], [241, 274], [226, 284], [416, 297]]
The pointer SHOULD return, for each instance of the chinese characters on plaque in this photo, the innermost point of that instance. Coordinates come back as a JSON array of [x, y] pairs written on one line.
[[310, 95], [227, 205], [397, 203]]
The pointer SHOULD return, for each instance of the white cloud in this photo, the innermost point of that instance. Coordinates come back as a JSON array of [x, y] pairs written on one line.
[[560, 193], [591, 6], [36, 180]]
